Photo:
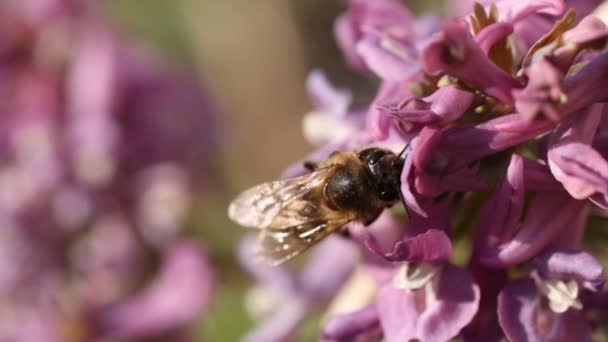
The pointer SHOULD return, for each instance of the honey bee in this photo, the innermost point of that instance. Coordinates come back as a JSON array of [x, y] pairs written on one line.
[[294, 214]]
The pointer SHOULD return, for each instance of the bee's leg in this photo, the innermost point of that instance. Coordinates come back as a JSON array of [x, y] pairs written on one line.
[[345, 233], [310, 166], [372, 218], [407, 212]]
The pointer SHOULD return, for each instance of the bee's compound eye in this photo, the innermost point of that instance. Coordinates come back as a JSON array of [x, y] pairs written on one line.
[[389, 195], [372, 156], [376, 157]]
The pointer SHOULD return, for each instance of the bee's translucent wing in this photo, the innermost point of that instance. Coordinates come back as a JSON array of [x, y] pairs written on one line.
[[259, 206], [291, 213], [275, 246]]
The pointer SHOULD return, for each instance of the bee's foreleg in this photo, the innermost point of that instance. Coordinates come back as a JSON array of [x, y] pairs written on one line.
[[310, 166], [345, 233]]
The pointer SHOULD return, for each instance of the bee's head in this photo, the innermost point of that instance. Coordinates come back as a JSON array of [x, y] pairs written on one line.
[[385, 166]]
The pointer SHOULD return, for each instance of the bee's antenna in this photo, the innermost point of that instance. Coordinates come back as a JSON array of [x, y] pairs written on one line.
[[402, 151]]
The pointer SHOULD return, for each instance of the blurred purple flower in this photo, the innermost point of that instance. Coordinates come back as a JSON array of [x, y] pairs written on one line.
[[283, 299], [378, 36], [175, 298], [358, 326], [102, 148]]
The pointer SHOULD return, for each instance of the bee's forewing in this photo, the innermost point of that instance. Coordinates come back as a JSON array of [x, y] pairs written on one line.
[[274, 247], [291, 213], [256, 207], [259, 206]]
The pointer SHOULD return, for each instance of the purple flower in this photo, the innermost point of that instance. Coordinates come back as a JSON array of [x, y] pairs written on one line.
[[395, 315], [578, 86], [578, 166], [378, 124], [449, 299], [547, 92], [420, 276], [413, 114], [511, 239], [432, 245], [559, 279], [421, 300], [589, 33], [543, 93], [453, 51]]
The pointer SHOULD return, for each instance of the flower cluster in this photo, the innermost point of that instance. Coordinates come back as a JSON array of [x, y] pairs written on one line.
[[99, 144], [502, 112]]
